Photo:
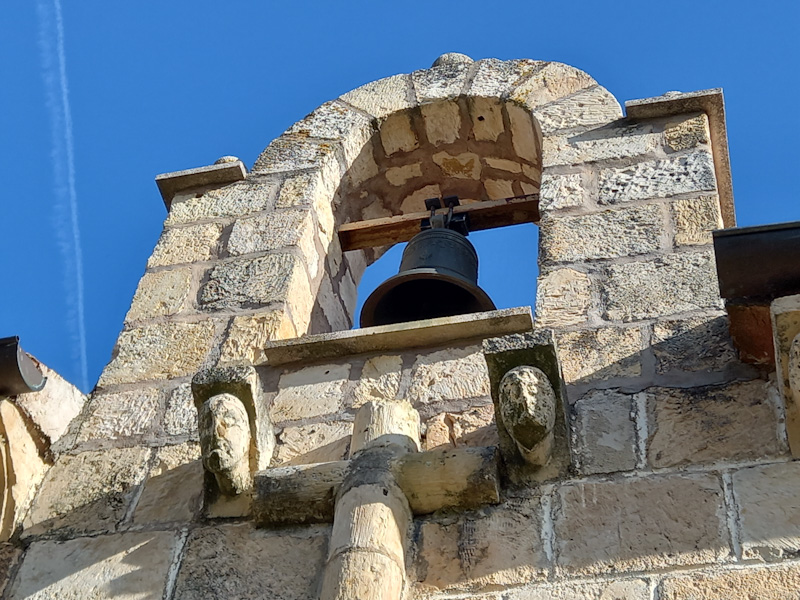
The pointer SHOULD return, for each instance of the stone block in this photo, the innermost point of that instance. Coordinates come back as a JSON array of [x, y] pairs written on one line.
[[123, 415], [525, 138], [160, 294], [310, 392], [236, 200], [563, 297], [160, 351], [181, 415], [640, 524], [383, 97], [398, 134], [415, 202], [317, 443], [227, 170], [398, 176], [497, 546], [497, 78], [335, 121], [705, 425], [379, 380], [442, 122], [249, 283], [658, 178], [590, 107], [466, 165], [472, 428], [695, 219], [445, 81], [598, 354], [625, 589], [503, 164], [600, 144], [779, 583], [684, 133], [785, 321], [297, 153], [124, 566], [248, 334], [294, 227], [606, 432], [663, 286], [196, 243], [94, 502], [768, 498], [487, 118], [694, 344], [562, 191], [454, 374], [551, 82], [238, 561], [607, 234], [498, 189], [174, 487], [9, 555]]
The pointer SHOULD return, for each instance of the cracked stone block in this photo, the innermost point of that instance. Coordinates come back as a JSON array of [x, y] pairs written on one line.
[[121, 415], [196, 243]]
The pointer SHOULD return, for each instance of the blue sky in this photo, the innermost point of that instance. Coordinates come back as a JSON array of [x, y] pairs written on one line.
[[156, 87]]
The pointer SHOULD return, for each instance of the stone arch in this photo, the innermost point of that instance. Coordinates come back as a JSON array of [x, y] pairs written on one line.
[[473, 129]]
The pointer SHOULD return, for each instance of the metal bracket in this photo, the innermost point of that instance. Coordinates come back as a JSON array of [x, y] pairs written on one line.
[[448, 220]]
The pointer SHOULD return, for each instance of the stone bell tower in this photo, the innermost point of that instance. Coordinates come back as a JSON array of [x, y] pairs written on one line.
[[245, 442]]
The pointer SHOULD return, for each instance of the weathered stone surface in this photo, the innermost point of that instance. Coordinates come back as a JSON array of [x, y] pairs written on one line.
[[248, 334], [126, 566], [196, 243], [121, 415], [181, 415], [293, 227], [629, 589], [503, 164], [593, 106], [9, 555], [640, 524], [440, 81], [487, 118], [695, 219], [600, 144], [606, 432], [241, 198], [498, 189], [400, 175], [662, 286], [174, 488], [448, 375], [493, 77], [607, 234], [246, 283], [525, 139], [335, 121], [466, 165], [310, 392], [442, 122], [550, 82], [472, 428], [95, 501], [527, 407], [696, 344], [317, 443], [494, 547], [415, 202], [294, 152], [685, 133], [160, 294], [362, 575], [658, 179], [562, 191], [383, 97], [225, 439], [596, 354], [779, 583], [379, 380], [563, 297], [398, 134], [159, 351], [238, 561], [768, 498], [702, 425], [785, 321]]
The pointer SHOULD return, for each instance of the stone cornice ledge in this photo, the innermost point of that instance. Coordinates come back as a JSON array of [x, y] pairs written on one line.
[[170, 184], [712, 103], [401, 336]]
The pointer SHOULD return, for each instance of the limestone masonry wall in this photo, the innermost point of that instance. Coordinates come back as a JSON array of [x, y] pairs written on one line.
[[679, 484]]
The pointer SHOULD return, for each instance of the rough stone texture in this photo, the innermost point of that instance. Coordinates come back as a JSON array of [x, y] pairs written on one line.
[[127, 566], [160, 294], [662, 286], [606, 432], [442, 122], [242, 198], [174, 488], [9, 555], [248, 334], [335, 121], [696, 344], [237, 561], [658, 179], [400, 175], [379, 380], [593, 106], [550, 82], [768, 498], [292, 152], [631, 589], [598, 144], [596, 354], [440, 81], [486, 549], [525, 138], [310, 392], [95, 501], [785, 321], [196, 243], [563, 297], [498, 189], [527, 407], [493, 77], [121, 415], [640, 524], [687, 133], [702, 425], [473, 428], [382, 97], [317, 443], [562, 191], [487, 118], [466, 165], [181, 414], [448, 375], [293, 227], [695, 219], [251, 283], [397, 134], [780, 583], [608, 234], [161, 351]]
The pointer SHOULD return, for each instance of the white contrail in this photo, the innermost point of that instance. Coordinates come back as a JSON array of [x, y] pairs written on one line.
[[54, 72]]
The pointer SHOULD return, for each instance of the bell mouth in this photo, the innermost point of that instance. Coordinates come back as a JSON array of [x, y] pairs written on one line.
[[422, 293]]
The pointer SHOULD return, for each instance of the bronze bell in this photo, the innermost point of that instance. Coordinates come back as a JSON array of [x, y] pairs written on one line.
[[438, 278]]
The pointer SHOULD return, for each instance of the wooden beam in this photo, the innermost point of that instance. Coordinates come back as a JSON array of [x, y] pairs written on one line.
[[401, 228]]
